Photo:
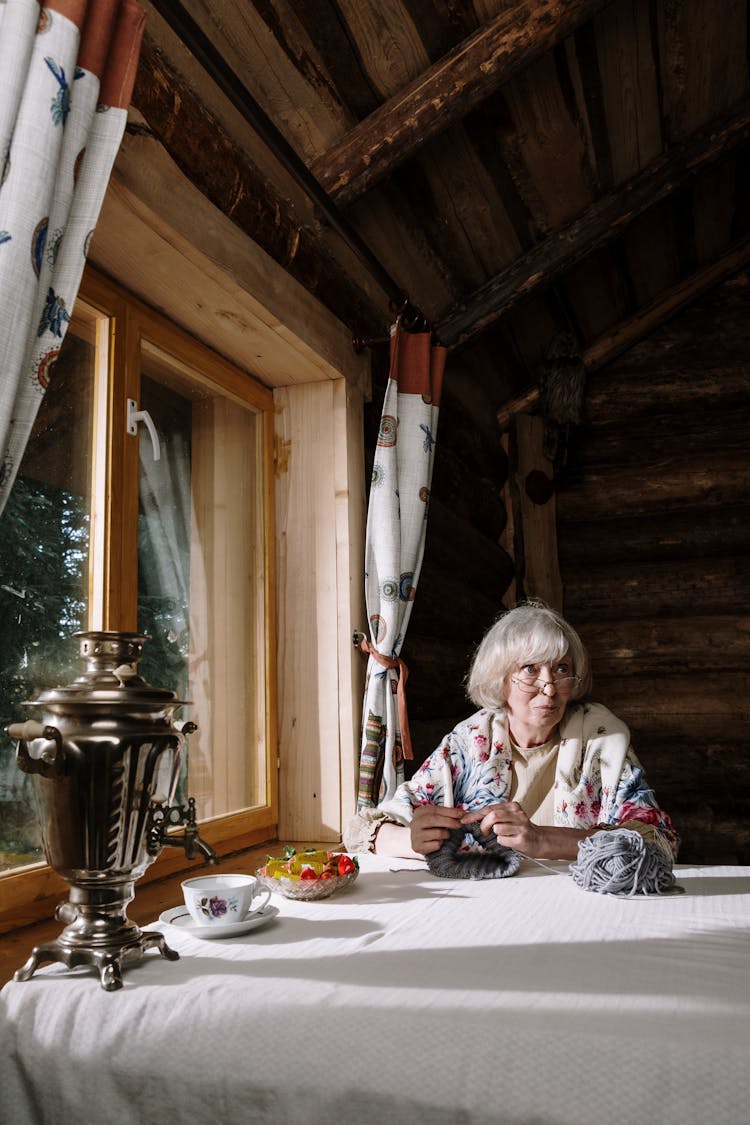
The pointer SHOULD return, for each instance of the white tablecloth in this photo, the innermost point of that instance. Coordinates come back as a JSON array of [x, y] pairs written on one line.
[[410, 999]]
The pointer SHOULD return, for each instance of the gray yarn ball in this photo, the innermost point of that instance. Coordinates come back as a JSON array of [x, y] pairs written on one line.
[[623, 863]]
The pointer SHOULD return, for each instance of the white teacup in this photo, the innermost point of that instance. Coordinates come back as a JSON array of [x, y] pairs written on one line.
[[215, 900]]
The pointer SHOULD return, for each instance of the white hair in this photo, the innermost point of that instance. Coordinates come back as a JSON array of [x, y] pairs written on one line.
[[531, 633]]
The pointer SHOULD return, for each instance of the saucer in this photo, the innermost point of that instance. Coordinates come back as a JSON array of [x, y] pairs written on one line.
[[178, 916]]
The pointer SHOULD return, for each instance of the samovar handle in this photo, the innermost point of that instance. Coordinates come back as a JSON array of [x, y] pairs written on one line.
[[49, 760]]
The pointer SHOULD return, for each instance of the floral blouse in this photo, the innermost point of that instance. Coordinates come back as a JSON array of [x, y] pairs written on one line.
[[598, 778]]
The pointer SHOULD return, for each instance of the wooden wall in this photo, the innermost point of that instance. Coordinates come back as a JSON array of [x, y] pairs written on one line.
[[653, 536], [319, 493]]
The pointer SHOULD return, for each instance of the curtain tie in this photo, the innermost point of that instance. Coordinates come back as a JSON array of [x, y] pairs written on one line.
[[403, 675]]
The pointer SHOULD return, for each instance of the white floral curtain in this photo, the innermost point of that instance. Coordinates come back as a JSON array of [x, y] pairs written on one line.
[[66, 76], [396, 526]]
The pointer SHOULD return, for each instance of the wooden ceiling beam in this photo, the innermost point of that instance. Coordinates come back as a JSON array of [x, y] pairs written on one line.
[[225, 175], [601, 223], [446, 92], [648, 318]]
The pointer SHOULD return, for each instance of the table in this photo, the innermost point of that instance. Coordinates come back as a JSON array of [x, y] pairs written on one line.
[[410, 999]]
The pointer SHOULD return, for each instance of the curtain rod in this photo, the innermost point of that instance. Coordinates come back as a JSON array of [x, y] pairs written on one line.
[[201, 47]]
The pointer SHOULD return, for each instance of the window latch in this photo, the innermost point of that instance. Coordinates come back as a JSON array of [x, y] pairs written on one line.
[[134, 416]]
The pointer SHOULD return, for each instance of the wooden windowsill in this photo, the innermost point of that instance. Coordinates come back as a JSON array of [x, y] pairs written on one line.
[[149, 902]]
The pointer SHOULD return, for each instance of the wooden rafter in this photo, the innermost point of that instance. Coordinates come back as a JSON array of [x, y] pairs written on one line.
[[648, 318], [226, 176], [600, 224], [446, 92]]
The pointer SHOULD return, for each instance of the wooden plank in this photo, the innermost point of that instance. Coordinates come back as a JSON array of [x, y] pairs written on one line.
[[664, 646], [114, 463], [309, 779], [714, 210], [707, 837], [669, 706], [543, 148], [446, 91], [724, 765], [280, 66], [629, 83], [702, 48], [391, 224], [650, 247], [598, 289], [455, 544], [270, 619], [696, 428], [656, 536], [269, 46], [334, 57], [461, 486], [349, 502], [645, 590], [688, 484], [388, 41], [631, 396], [437, 671], [597, 226], [155, 227], [220, 170], [536, 514], [445, 597], [319, 601], [452, 174], [508, 537]]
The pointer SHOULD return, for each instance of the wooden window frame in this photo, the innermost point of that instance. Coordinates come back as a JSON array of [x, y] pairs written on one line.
[[124, 326]]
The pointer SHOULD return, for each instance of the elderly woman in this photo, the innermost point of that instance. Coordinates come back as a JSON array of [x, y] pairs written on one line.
[[538, 765]]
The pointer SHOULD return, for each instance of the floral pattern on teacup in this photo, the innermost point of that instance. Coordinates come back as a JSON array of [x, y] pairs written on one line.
[[216, 907]]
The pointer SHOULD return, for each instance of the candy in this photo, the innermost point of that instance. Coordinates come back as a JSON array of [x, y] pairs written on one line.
[[310, 865]]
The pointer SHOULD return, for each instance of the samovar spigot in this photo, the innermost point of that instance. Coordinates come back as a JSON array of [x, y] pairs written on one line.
[[164, 817]]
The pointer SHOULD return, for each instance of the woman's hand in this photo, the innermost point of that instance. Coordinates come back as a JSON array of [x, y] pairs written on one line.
[[512, 827], [431, 825]]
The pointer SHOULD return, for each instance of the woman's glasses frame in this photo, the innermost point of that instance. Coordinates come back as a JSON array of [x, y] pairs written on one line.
[[533, 686]]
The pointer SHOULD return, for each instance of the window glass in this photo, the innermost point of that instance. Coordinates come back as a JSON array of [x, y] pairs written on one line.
[[44, 573], [201, 582]]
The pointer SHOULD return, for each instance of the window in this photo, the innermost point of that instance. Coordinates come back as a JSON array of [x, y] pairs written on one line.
[[99, 532]]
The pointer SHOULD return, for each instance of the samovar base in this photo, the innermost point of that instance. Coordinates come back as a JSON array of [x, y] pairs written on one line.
[[99, 933], [109, 960]]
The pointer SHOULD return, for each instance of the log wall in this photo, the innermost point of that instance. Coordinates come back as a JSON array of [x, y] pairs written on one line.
[[653, 534]]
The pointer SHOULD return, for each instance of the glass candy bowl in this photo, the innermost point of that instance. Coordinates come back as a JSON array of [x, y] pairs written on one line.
[[308, 875]]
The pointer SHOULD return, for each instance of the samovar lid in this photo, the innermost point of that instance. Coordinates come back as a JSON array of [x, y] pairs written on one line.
[[111, 675]]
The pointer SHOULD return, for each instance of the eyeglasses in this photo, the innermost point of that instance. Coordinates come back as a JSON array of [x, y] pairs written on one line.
[[530, 684]]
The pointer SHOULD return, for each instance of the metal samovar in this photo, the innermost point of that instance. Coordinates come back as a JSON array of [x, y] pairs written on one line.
[[105, 756]]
